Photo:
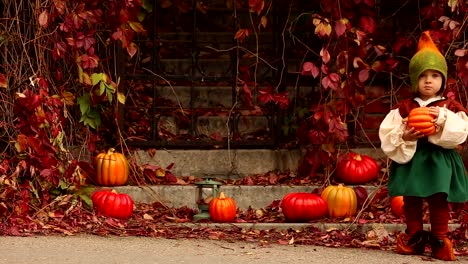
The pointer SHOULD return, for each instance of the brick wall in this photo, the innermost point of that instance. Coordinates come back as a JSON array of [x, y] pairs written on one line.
[[379, 102]]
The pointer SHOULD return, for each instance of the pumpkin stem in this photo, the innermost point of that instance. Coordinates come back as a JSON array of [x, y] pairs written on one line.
[[358, 157], [110, 151], [221, 195]]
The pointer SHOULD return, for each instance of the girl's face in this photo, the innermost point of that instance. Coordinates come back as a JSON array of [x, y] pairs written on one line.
[[429, 84]]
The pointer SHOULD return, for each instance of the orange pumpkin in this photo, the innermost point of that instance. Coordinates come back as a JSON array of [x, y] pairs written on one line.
[[420, 119], [222, 209], [396, 205], [341, 200], [111, 168]]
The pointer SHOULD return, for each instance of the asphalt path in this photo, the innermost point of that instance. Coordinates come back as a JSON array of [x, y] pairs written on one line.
[[90, 249]]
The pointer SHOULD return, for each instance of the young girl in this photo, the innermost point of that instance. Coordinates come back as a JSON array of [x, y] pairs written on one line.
[[426, 167]]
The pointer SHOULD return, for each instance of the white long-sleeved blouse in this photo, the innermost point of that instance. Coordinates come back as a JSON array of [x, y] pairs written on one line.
[[452, 130]]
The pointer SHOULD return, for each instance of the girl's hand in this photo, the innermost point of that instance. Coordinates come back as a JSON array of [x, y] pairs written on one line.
[[411, 135], [435, 112]]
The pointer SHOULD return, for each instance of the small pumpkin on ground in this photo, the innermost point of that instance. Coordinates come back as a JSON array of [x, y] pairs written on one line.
[[354, 168], [341, 200], [222, 208], [113, 204], [420, 119], [111, 168], [396, 204], [303, 207]]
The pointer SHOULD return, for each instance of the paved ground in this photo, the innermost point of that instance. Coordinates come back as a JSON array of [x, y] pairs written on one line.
[[86, 249]]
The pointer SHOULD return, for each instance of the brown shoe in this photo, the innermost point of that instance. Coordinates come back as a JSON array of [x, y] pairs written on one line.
[[442, 249], [414, 245]]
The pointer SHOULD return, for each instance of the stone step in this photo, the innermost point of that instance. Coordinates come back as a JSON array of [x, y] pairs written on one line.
[[176, 196], [230, 164]]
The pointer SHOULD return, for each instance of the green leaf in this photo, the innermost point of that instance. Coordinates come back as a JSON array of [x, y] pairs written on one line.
[[84, 102], [87, 200], [96, 78], [102, 88], [63, 185], [110, 88], [136, 26], [92, 119], [148, 5], [80, 74], [141, 16], [109, 95], [121, 97]]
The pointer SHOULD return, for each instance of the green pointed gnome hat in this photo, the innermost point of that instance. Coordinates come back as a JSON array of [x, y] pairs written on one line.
[[428, 57]]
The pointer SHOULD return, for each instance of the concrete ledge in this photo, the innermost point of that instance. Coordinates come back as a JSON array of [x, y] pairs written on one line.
[[324, 227], [177, 196], [231, 164]]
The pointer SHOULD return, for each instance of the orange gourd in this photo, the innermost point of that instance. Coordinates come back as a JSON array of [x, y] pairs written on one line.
[[111, 168], [222, 209], [396, 205], [341, 200], [420, 119]]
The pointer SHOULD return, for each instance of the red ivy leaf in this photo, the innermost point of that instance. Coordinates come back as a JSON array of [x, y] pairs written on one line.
[[338, 128], [132, 49], [392, 63], [461, 52], [85, 41], [317, 137], [248, 95], [170, 178], [256, 6], [340, 26], [363, 75], [282, 100], [3, 81], [265, 95], [241, 34], [331, 81], [44, 19], [308, 68], [216, 136], [361, 194], [368, 24], [60, 48], [400, 43], [325, 55], [124, 16]]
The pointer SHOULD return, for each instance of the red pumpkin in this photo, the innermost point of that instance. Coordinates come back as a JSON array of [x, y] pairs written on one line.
[[113, 204], [354, 168], [111, 168], [303, 207], [396, 205], [421, 120], [222, 209]]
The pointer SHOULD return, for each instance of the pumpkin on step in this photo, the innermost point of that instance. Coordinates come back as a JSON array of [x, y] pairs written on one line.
[[111, 168], [341, 200], [222, 208], [113, 204], [396, 204], [420, 119], [354, 168], [303, 207]]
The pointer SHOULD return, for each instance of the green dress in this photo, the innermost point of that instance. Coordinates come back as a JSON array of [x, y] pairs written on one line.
[[432, 169]]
